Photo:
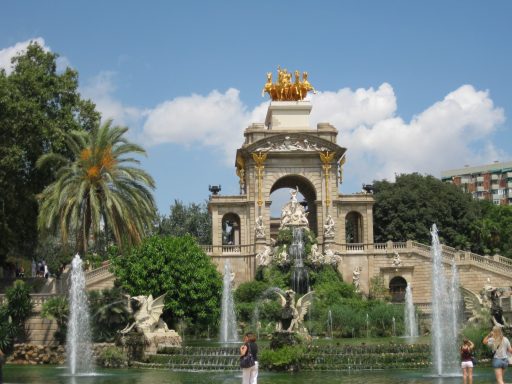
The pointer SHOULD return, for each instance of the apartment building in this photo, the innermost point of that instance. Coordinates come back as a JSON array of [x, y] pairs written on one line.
[[491, 182]]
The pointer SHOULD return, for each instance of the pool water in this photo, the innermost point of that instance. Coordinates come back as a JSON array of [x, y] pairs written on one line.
[[58, 375]]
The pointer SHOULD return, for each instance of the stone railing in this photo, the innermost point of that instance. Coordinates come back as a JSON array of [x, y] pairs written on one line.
[[495, 263], [229, 250], [98, 273]]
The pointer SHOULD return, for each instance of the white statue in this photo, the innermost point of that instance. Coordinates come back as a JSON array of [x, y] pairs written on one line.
[[293, 213], [260, 228], [292, 318], [282, 257], [329, 227], [316, 256], [148, 322], [396, 262], [356, 274], [331, 257], [264, 257]]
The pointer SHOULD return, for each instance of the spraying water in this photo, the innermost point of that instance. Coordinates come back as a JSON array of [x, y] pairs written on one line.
[[79, 333], [329, 324], [228, 331], [300, 277], [445, 304], [411, 327]]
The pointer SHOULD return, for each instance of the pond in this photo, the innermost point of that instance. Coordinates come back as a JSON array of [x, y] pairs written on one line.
[[57, 375]]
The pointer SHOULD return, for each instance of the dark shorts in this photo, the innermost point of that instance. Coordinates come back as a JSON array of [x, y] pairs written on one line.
[[499, 363]]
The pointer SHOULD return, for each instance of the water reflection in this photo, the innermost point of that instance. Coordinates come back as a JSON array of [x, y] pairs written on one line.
[[53, 375]]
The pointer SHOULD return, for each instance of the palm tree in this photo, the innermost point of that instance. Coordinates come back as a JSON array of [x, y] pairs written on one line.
[[99, 189]]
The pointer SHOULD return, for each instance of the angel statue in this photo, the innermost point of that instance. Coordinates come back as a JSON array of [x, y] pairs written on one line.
[[292, 314]]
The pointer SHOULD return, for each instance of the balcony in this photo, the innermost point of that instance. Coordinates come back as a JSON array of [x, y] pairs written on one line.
[[509, 175], [480, 179], [495, 177], [480, 188]]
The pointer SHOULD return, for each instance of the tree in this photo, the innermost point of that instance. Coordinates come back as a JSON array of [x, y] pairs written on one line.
[[193, 219], [98, 189], [406, 209], [492, 233], [178, 267], [38, 105]]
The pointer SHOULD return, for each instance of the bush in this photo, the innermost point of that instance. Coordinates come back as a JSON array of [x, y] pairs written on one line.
[[112, 357], [178, 267], [282, 359], [57, 308], [109, 313]]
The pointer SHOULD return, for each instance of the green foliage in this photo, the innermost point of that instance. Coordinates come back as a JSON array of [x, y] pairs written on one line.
[[194, 220], [8, 330], [492, 233], [112, 357], [97, 186], [57, 308], [274, 276], [329, 287], [282, 359], [378, 289], [406, 209], [13, 314], [250, 291], [19, 304], [38, 105], [176, 266], [109, 313]]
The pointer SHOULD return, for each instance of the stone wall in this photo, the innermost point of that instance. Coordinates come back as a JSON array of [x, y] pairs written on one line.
[[34, 354]]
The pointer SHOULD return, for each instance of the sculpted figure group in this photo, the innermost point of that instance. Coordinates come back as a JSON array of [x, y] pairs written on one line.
[[286, 90]]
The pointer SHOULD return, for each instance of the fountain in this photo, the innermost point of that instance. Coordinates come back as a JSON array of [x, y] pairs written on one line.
[[445, 304], [228, 331], [79, 335], [411, 327], [329, 324], [299, 277]]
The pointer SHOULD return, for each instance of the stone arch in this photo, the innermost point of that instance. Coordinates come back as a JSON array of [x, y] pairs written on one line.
[[354, 227], [231, 229], [397, 286], [306, 188]]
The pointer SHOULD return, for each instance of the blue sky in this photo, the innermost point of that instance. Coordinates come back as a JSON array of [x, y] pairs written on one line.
[[411, 86]]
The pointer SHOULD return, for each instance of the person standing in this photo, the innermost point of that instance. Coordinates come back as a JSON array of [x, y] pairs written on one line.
[[250, 375], [500, 345], [466, 357]]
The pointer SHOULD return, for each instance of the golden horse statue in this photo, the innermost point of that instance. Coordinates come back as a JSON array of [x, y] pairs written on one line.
[[284, 89]]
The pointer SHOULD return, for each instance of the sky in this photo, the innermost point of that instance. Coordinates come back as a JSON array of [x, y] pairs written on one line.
[[411, 86]]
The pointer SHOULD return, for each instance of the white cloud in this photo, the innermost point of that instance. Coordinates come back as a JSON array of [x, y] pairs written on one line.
[[100, 90], [381, 144], [216, 120], [8, 53]]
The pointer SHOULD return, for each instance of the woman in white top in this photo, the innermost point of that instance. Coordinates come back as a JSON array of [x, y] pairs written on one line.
[[501, 348]]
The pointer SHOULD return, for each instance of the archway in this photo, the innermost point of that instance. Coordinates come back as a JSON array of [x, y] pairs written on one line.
[[231, 229], [397, 286], [354, 227], [280, 195]]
